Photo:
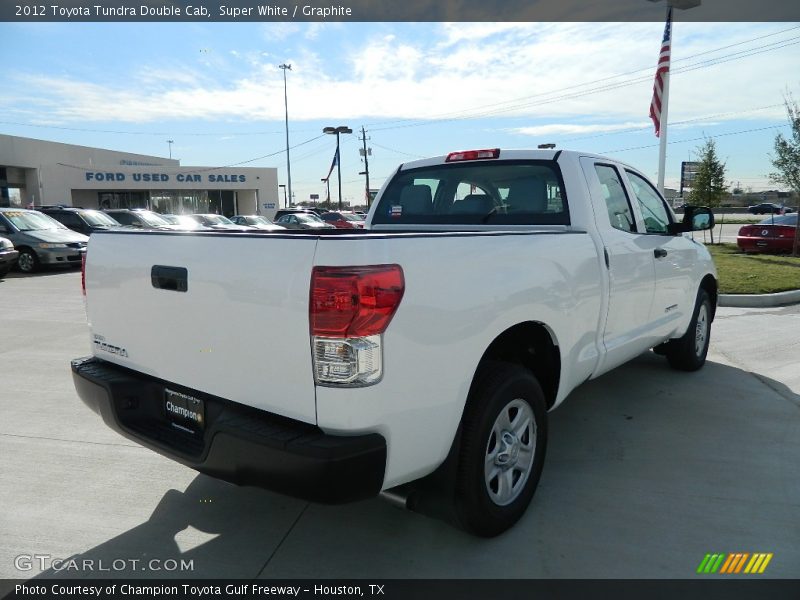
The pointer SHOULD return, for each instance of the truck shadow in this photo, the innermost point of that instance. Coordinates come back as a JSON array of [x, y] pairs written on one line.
[[647, 470]]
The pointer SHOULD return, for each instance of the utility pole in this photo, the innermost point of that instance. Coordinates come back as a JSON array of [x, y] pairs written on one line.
[[365, 153]]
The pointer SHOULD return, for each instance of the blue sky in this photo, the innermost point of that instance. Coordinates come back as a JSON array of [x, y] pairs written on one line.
[[419, 89]]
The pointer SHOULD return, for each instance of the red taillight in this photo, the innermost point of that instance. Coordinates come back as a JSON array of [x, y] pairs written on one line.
[[83, 273], [473, 155], [350, 302]]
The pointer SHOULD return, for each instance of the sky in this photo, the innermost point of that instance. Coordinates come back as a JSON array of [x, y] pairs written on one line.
[[418, 89]]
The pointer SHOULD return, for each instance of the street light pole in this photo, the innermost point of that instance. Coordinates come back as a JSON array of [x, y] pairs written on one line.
[[284, 67], [337, 131], [170, 142]]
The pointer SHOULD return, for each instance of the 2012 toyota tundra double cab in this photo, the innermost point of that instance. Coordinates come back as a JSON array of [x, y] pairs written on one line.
[[430, 345]]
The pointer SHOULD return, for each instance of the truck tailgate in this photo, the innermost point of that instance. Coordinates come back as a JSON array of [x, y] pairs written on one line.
[[239, 330]]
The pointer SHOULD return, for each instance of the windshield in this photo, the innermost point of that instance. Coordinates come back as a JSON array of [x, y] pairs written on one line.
[[353, 217], [259, 221], [152, 219], [216, 220], [32, 221], [511, 192], [98, 219]]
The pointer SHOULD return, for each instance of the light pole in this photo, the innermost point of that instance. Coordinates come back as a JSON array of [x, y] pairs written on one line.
[[337, 131], [281, 185], [284, 67], [170, 142]]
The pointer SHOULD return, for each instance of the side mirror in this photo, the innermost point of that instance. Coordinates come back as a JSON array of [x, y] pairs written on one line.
[[695, 218]]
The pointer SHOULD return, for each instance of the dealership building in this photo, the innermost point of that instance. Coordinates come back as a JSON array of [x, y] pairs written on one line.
[[36, 173]]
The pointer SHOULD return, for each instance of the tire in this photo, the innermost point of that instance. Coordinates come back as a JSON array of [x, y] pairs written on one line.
[[27, 262], [688, 353], [505, 417], [3, 273]]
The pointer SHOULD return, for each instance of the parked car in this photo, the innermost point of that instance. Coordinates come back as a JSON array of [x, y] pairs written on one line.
[[343, 220], [82, 220], [303, 221], [438, 353], [40, 240], [219, 223], [139, 217], [297, 210], [766, 208], [184, 222], [775, 234], [257, 221], [8, 256]]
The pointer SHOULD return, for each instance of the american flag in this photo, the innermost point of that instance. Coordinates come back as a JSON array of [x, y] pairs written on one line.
[[661, 70]]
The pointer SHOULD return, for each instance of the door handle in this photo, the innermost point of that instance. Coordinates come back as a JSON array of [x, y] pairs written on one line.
[[659, 253]]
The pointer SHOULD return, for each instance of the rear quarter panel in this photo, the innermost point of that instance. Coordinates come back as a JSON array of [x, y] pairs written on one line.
[[461, 292]]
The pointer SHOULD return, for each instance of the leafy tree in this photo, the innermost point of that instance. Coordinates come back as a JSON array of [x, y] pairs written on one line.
[[708, 186], [787, 159]]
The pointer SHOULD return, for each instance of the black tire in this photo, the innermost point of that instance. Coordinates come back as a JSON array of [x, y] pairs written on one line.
[[500, 388], [688, 353], [3, 273], [27, 262]]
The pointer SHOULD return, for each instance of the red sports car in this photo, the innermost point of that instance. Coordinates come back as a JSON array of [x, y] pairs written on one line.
[[775, 234]]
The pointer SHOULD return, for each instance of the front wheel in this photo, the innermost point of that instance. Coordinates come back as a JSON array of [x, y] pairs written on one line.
[[688, 353], [27, 262], [504, 437]]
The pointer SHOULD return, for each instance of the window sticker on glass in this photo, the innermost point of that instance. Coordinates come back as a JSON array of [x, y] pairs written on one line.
[[396, 211]]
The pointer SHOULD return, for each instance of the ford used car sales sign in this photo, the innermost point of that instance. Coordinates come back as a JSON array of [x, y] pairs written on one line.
[[156, 177]]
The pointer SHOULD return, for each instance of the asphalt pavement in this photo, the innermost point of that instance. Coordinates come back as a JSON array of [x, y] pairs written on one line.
[[648, 469]]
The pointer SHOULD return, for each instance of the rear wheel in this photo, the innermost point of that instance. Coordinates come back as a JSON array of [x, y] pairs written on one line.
[[27, 262], [688, 353], [503, 443]]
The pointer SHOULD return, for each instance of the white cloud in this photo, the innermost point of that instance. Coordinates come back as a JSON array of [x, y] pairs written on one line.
[[599, 75], [575, 129]]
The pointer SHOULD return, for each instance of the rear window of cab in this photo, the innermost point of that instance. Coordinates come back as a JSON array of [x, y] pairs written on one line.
[[516, 192]]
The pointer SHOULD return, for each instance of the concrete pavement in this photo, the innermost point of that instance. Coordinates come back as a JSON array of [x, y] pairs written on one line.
[[648, 469]]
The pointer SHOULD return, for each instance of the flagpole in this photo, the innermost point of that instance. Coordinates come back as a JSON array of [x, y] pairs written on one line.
[[662, 146]]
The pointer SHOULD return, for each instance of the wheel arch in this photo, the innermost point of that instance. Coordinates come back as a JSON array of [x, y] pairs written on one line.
[[709, 284], [532, 345]]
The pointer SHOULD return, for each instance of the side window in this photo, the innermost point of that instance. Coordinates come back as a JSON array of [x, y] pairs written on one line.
[[620, 213], [654, 211]]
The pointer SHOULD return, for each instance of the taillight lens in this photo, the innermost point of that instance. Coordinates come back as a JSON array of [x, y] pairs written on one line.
[[349, 309], [351, 302]]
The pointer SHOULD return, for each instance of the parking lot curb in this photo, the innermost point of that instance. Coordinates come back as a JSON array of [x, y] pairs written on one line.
[[759, 300]]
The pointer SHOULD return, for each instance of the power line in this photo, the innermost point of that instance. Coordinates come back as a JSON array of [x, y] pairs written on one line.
[[695, 139], [648, 69], [684, 122], [604, 88], [237, 164]]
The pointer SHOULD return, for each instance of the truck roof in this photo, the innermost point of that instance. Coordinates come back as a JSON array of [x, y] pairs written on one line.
[[532, 154]]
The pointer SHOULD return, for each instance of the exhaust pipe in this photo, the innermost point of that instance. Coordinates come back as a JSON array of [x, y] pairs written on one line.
[[397, 497]]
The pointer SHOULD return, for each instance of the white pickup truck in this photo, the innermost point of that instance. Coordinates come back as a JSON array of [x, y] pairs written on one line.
[[339, 364]]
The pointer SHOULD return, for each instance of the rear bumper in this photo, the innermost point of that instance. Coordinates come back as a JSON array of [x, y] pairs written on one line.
[[239, 444], [764, 244]]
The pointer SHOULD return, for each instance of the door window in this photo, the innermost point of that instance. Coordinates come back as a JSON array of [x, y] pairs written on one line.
[[620, 213], [654, 211]]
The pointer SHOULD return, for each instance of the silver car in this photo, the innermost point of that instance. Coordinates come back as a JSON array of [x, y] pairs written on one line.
[[40, 240]]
